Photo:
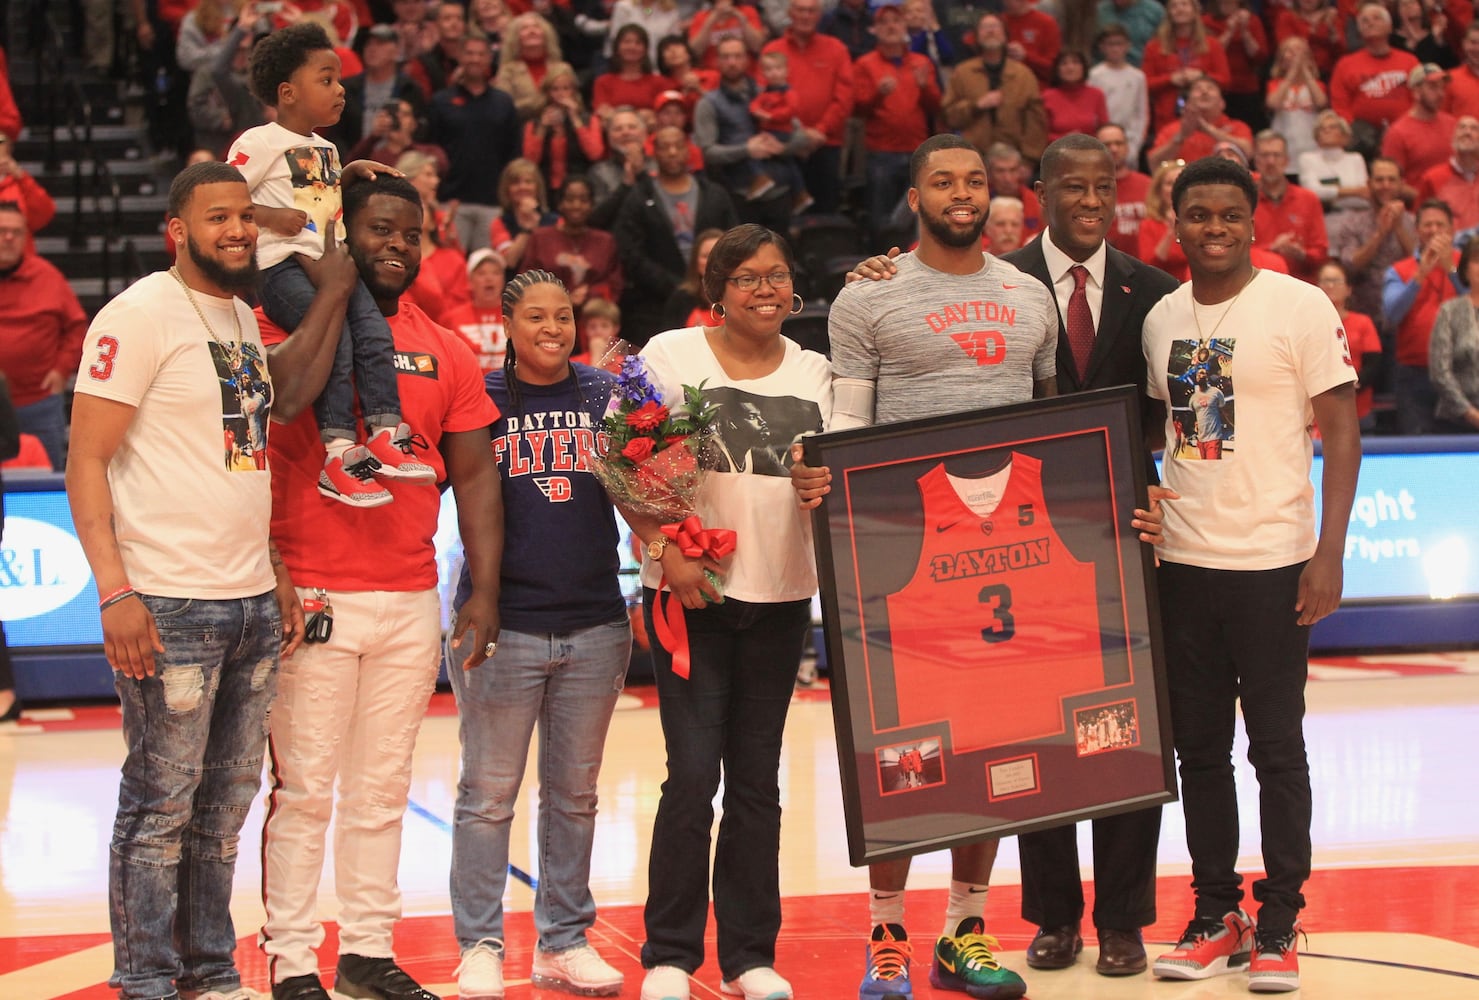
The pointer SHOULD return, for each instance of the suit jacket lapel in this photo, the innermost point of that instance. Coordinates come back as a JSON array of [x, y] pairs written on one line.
[[1113, 311]]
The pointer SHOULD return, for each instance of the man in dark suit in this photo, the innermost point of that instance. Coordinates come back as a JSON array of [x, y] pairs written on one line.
[[655, 230], [1103, 296]]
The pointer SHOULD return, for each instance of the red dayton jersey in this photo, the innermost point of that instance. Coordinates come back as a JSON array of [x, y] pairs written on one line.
[[911, 762], [1033, 635]]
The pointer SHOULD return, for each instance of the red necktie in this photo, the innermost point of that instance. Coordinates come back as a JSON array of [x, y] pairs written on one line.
[[1080, 320]]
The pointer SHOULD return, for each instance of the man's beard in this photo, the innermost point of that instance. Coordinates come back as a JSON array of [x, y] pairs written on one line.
[[951, 237], [233, 280], [379, 288]]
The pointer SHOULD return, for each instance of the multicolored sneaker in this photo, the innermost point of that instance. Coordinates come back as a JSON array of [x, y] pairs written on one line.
[[965, 963], [886, 976], [392, 448], [1210, 946], [350, 479], [1274, 967]]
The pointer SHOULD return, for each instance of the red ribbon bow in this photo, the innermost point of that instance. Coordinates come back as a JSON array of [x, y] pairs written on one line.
[[694, 541]]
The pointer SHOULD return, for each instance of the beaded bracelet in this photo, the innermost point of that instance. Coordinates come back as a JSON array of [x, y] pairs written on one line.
[[121, 594]]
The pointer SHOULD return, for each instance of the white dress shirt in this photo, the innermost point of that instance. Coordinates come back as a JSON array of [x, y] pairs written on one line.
[[1059, 264]]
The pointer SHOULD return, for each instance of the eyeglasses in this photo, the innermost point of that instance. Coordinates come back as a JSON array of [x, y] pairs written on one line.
[[750, 282]]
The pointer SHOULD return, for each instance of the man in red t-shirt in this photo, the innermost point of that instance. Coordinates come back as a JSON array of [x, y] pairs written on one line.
[[821, 77], [1412, 290], [1368, 87], [1203, 124], [1131, 187], [1032, 37], [898, 94], [1419, 140], [1289, 219], [348, 706], [1462, 97], [42, 326], [1455, 181]]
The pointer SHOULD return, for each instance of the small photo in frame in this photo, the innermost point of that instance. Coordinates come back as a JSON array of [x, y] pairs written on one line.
[[908, 767], [1102, 728]]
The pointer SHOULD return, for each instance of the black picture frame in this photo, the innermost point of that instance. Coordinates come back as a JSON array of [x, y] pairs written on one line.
[[994, 671]]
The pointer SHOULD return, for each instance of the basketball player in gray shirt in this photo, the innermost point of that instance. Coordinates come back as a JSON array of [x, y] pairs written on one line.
[[956, 330]]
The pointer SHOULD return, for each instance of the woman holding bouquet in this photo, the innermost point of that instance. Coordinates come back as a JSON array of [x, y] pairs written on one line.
[[745, 636], [560, 660]]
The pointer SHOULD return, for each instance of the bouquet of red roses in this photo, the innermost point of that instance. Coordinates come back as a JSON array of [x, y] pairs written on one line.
[[650, 461]]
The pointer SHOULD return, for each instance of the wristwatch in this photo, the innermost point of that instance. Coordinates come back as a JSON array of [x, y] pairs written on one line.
[[656, 547]]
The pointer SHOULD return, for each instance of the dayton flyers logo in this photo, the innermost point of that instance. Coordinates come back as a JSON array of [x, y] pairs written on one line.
[[556, 489], [987, 347]]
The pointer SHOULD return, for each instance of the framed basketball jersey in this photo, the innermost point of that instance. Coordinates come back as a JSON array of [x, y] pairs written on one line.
[[991, 624]]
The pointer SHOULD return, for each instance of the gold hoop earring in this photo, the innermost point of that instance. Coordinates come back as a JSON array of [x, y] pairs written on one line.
[[800, 304], [716, 313]]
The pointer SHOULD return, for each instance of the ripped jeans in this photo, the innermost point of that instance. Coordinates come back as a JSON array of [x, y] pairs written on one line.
[[568, 684], [195, 734]]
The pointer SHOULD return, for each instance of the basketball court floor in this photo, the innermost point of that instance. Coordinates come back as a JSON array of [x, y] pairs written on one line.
[[1393, 903]]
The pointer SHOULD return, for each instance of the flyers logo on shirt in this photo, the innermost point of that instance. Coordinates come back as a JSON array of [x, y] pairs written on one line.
[[410, 363], [556, 489], [958, 320], [240, 159]]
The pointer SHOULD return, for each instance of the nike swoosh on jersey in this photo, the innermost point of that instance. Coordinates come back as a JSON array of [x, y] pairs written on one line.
[[1007, 288]]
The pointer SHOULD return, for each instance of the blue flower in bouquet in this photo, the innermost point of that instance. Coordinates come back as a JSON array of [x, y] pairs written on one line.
[[633, 385]]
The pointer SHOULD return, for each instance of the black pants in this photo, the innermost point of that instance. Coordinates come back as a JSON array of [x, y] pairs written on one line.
[[1229, 637], [729, 713], [1124, 873]]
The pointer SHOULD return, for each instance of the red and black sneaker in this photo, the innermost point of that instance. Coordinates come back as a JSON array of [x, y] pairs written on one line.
[[392, 448], [1275, 964], [350, 478], [1210, 946]]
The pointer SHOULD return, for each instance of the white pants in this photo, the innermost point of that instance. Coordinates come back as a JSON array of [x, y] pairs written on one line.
[[349, 708]]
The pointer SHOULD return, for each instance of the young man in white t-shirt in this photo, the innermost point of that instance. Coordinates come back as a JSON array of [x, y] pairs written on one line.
[[170, 491], [1243, 573]]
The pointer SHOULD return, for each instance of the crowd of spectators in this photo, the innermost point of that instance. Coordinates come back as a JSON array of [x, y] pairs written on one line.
[[601, 141]]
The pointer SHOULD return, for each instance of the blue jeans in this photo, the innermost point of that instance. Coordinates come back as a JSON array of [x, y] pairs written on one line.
[[47, 419], [567, 683], [364, 359], [728, 714], [195, 733]]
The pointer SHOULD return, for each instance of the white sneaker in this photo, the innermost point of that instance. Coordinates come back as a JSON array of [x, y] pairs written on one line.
[[665, 982], [579, 970], [480, 974], [761, 983]]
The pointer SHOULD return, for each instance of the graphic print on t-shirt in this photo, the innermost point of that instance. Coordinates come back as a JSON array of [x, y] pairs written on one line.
[[976, 327], [548, 445], [754, 433], [1201, 390], [989, 555], [246, 405], [315, 179]]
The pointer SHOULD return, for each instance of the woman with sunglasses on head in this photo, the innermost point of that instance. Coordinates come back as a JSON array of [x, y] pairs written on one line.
[[559, 662], [744, 644]]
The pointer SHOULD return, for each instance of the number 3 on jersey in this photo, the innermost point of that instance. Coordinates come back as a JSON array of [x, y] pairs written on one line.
[[102, 369], [999, 598]]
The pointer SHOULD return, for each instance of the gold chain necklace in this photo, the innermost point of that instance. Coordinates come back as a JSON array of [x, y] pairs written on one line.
[[1206, 338], [232, 349]]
